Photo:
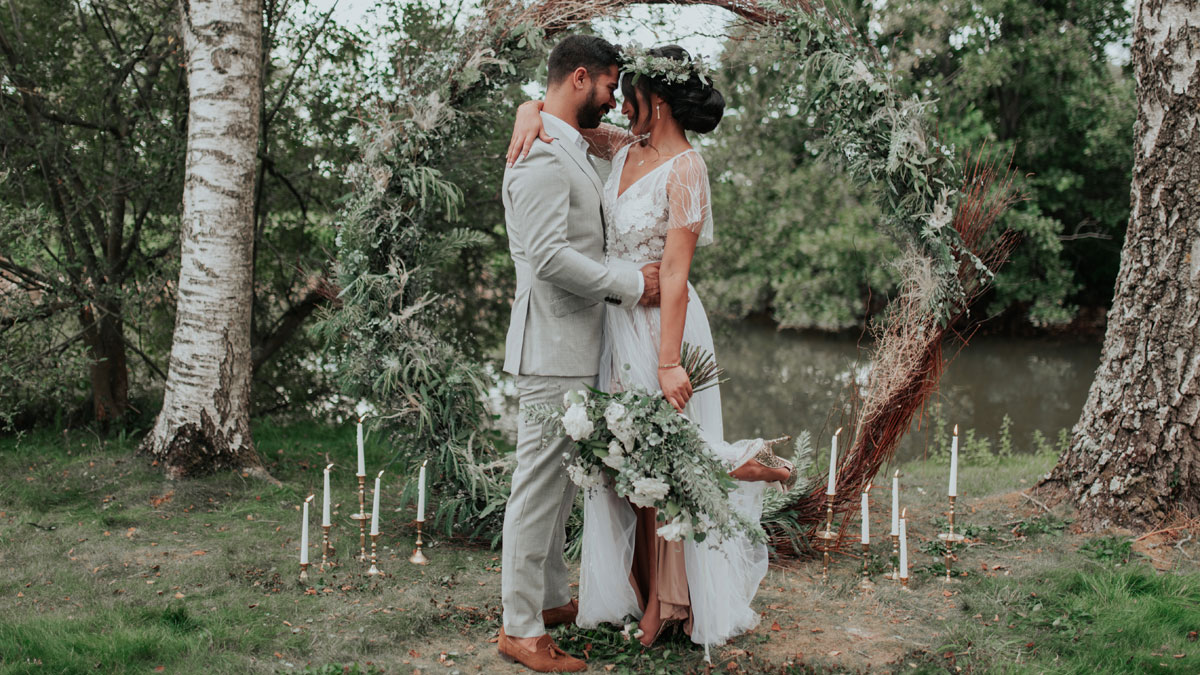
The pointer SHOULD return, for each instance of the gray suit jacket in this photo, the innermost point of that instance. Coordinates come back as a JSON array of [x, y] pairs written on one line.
[[552, 210]]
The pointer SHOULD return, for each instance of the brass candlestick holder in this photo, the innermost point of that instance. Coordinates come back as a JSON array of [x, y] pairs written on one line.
[[894, 575], [361, 517], [866, 584], [827, 536], [304, 572], [949, 539], [374, 570], [327, 549], [904, 584], [418, 556]]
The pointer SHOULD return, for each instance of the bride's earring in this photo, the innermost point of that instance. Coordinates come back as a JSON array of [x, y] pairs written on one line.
[[658, 111]]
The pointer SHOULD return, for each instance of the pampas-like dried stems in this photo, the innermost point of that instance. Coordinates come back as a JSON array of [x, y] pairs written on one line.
[[907, 363]]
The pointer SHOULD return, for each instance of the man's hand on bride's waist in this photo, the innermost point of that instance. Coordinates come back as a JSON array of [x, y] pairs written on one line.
[[650, 294]]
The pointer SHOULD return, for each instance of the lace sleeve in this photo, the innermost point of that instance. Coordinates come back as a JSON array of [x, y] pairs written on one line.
[[688, 199], [606, 139]]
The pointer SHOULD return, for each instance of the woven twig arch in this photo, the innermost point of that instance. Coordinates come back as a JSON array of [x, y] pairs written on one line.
[[940, 214]]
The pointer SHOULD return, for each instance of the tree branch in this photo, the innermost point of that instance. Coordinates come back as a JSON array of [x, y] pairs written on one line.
[[287, 325]]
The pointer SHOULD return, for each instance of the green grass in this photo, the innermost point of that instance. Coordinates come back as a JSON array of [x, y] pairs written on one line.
[[107, 567], [1095, 619]]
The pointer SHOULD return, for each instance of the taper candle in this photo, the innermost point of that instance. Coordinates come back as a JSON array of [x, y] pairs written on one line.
[[866, 516], [375, 506], [895, 504], [954, 464], [362, 460], [304, 533], [832, 487], [326, 514], [421, 493], [904, 547]]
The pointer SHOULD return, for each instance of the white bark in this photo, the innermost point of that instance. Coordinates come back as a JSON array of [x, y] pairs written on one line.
[[1135, 455], [204, 424]]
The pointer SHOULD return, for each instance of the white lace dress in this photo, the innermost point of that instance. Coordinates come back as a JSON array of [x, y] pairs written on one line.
[[722, 574]]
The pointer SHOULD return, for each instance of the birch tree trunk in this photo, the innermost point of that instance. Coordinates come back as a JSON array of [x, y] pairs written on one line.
[[1135, 453], [205, 421]]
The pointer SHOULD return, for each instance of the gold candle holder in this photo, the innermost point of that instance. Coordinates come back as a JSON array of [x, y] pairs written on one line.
[[949, 539], [374, 570], [894, 575], [904, 584], [361, 517], [866, 584], [418, 556], [827, 536], [304, 572], [327, 549]]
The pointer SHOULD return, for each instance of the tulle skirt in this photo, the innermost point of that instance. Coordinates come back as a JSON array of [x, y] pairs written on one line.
[[723, 573]]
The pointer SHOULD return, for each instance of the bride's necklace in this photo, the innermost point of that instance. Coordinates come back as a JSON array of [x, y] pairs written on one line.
[[651, 146]]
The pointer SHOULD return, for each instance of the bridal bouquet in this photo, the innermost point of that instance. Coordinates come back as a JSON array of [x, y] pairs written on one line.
[[654, 456]]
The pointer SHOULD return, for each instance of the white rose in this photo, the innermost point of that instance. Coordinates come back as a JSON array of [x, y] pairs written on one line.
[[583, 478], [614, 413], [576, 397], [577, 424], [648, 490], [615, 449], [576, 474], [614, 462]]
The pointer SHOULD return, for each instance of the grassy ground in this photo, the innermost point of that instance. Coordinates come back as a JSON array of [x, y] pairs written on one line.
[[106, 567]]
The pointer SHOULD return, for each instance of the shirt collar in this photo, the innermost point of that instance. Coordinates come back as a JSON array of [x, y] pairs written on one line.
[[560, 129]]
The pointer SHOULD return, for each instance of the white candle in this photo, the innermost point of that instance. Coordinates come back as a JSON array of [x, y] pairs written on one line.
[[326, 520], [421, 493], [866, 517], [954, 464], [832, 487], [362, 461], [895, 504], [304, 533], [903, 549], [375, 507]]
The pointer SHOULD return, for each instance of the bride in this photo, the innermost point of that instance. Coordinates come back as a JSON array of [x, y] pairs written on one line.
[[657, 208]]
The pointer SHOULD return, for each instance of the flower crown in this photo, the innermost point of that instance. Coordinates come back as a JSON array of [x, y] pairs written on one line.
[[640, 62]]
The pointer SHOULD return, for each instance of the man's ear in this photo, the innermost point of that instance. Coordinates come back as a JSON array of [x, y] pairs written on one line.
[[579, 78]]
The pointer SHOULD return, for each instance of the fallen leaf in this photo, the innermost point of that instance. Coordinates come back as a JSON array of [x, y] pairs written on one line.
[[198, 552], [775, 626], [178, 596], [818, 630]]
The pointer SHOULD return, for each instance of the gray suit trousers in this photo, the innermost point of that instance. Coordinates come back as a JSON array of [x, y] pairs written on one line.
[[534, 574]]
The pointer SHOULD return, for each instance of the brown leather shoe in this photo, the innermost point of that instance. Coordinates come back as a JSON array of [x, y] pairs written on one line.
[[547, 658], [557, 616]]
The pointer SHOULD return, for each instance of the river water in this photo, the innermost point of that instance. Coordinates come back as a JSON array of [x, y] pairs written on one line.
[[784, 382]]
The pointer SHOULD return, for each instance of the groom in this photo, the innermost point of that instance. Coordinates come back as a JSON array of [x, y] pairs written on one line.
[[552, 206]]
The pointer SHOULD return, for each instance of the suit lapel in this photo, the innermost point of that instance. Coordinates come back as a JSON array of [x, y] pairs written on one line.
[[581, 160]]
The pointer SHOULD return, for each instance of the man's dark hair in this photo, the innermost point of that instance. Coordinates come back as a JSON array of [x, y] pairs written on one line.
[[591, 52]]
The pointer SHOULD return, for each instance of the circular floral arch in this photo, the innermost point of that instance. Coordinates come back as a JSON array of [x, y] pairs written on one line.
[[428, 393]]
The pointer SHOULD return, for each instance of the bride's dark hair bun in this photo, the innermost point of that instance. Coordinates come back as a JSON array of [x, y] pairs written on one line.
[[698, 109], [696, 104]]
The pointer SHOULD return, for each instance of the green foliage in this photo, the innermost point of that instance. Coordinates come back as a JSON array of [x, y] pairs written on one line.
[[1109, 549], [801, 243], [990, 63], [1046, 523], [393, 337]]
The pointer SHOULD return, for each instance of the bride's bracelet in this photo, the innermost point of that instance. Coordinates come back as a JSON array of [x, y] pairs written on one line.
[[668, 366]]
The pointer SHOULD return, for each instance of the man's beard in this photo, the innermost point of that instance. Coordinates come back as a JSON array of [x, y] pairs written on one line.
[[591, 112]]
